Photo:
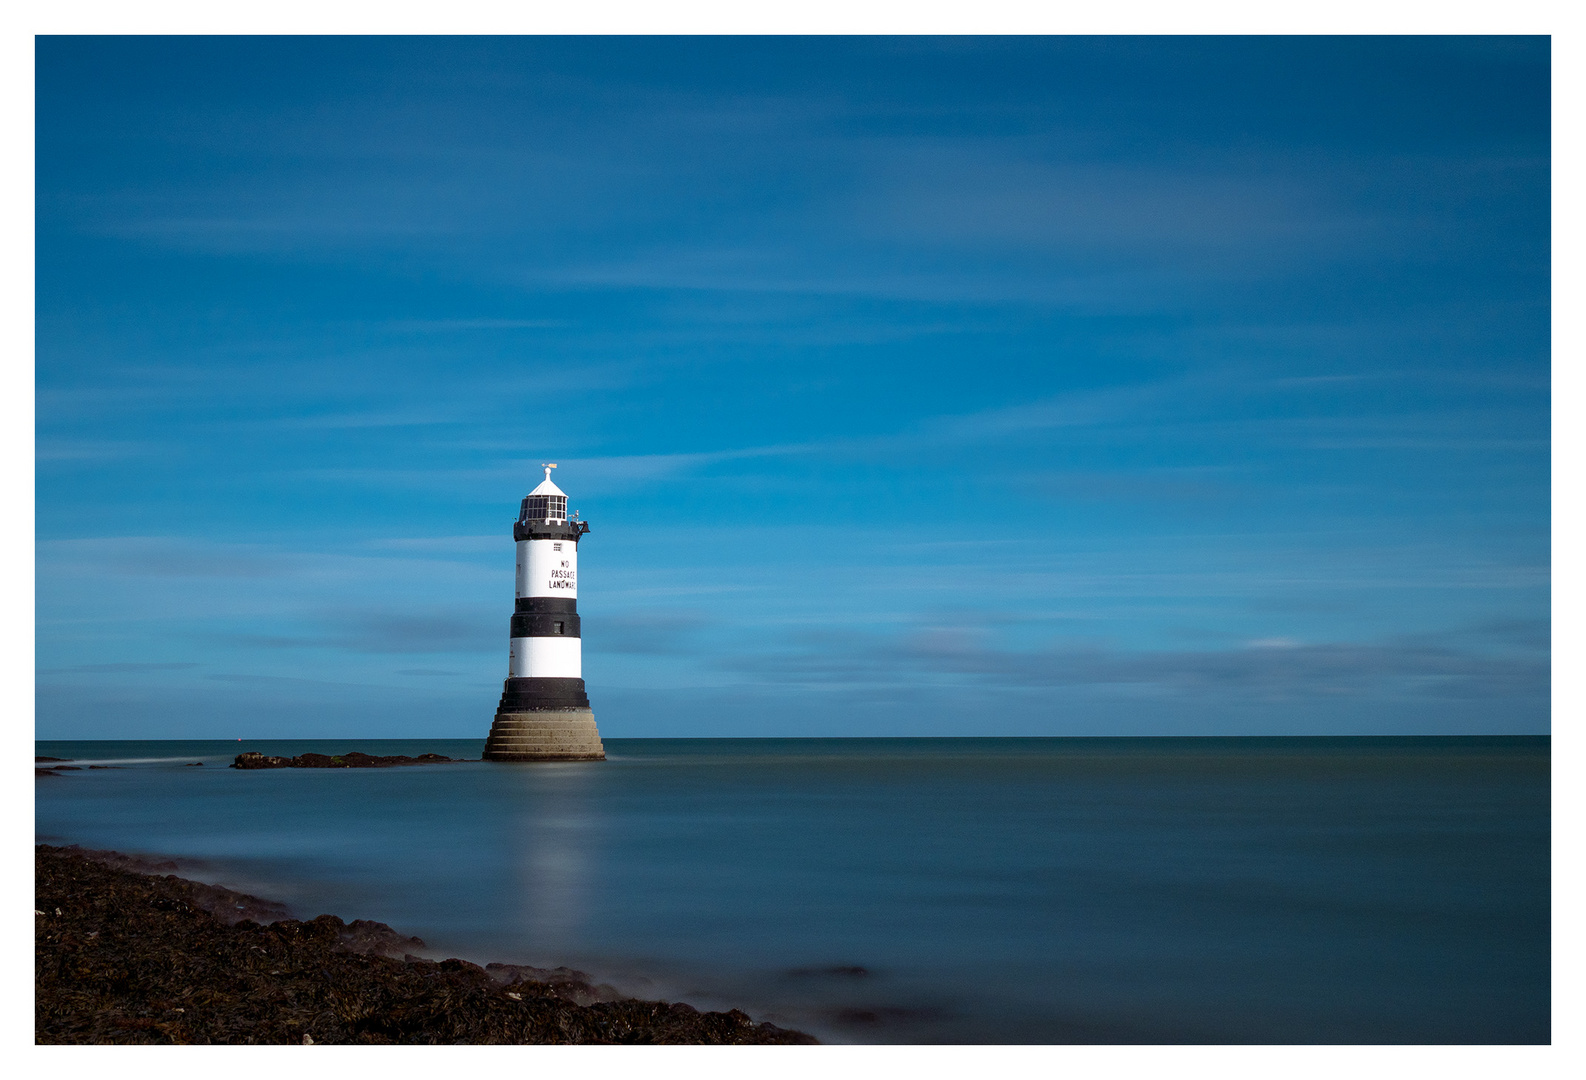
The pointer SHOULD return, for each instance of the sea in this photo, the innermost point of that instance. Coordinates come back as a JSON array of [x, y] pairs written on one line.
[[1062, 890]]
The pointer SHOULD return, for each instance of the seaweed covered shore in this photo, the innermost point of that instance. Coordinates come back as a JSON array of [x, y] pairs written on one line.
[[124, 954]]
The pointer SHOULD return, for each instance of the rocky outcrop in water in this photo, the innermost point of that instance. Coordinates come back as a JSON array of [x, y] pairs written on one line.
[[353, 759]]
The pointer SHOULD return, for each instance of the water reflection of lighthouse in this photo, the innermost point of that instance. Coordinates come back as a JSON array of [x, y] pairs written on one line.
[[544, 714], [557, 838]]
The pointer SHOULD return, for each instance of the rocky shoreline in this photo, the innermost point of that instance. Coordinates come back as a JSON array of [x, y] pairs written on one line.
[[125, 952]]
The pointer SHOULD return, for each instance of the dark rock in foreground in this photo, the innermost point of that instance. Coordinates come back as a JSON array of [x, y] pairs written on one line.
[[354, 759], [122, 957]]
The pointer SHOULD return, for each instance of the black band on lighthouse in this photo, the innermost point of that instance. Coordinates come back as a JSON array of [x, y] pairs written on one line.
[[549, 530], [557, 624], [547, 605], [527, 695]]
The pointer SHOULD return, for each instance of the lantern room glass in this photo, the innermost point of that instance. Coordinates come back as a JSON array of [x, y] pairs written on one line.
[[544, 508]]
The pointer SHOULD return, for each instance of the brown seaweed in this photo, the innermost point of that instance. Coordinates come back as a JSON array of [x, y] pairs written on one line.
[[127, 957]]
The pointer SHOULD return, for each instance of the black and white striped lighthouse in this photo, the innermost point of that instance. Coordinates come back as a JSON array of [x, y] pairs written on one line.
[[544, 713]]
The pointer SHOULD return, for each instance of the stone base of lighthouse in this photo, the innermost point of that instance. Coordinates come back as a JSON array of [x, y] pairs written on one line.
[[546, 735], [544, 720]]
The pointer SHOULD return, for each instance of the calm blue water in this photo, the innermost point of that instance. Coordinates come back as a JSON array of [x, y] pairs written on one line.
[[993, 890]]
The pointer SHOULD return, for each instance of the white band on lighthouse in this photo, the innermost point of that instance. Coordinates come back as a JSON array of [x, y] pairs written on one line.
[[548, 568], [546, 658]]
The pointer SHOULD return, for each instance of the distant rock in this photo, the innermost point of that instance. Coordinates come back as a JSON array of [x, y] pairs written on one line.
[[353, 759], [255, 760], [841, 971]]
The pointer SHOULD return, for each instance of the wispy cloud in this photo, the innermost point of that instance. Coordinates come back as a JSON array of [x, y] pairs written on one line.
[[131, 668], [392, 630], [653, 632], [444, 326], [91, 451], [426, 417], [1273, 669], [145, 556], [441, 545], [1010, 192]]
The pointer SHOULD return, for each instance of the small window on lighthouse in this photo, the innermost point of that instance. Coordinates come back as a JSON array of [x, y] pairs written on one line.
[[556, 547], [558, 628]]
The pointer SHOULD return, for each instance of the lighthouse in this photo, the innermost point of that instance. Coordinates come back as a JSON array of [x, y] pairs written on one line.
[[544, 713]]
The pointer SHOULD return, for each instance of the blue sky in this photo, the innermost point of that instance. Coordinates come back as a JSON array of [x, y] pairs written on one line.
[[911, 386]]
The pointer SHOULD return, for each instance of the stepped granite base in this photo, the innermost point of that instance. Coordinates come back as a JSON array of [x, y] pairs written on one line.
[[545, 735]]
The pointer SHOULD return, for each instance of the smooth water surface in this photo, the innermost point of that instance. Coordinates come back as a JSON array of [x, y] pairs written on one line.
[[916, 890]]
